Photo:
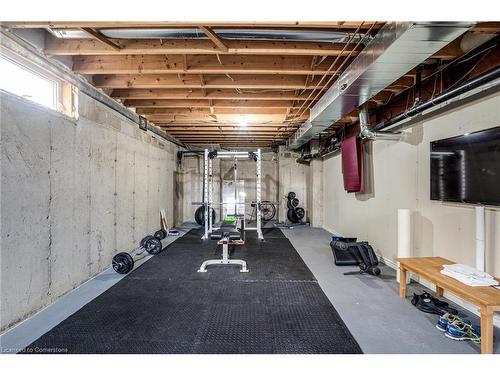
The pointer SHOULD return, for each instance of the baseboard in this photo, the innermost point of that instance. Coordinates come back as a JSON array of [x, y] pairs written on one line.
[[459, 301]]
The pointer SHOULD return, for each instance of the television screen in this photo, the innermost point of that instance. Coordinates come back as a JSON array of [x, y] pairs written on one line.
[[467, 168]]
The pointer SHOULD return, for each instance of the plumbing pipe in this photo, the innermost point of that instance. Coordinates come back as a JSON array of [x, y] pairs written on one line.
[[366, 133], [447, 95]]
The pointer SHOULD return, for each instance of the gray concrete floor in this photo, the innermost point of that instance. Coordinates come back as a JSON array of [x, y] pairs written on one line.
[[370, 306]]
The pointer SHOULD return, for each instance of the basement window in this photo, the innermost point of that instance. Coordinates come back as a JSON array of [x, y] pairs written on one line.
[[31, 82]]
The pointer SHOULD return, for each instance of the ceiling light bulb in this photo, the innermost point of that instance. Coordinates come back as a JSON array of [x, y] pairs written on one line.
[[243, 121]]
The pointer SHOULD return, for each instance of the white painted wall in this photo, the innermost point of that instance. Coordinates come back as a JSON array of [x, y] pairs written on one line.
[[401, 179], [73, 194]]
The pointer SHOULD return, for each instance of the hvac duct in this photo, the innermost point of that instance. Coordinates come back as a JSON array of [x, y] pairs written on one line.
[[396, 49], [366, 133]]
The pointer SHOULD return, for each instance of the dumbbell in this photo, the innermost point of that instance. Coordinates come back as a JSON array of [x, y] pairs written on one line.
[[124, 262]]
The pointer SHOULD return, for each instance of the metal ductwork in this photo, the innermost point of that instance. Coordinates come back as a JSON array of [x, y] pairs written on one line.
[[396, 49], [366, 133]]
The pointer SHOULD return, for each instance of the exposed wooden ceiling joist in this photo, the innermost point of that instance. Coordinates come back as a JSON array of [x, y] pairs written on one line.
[[227, 94], [201, 64], [199, 103], [173, 81], [57, 47], [218, 111]]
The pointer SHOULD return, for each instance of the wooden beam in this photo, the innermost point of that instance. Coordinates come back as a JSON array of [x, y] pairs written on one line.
[[206, 128], [101, 38], [226, 94], [243, 137], [210, 82], [214, 38], [61, 47], [206, 103], [240, 132], [217, 111], [200, 64]]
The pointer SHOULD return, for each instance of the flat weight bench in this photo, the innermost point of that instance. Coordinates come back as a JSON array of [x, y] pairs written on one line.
[[226, 235]]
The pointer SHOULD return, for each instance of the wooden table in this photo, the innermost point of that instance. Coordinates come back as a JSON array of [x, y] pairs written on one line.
[[485, 297]]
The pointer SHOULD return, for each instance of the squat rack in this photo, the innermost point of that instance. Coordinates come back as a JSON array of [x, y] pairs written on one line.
[[208, 186]]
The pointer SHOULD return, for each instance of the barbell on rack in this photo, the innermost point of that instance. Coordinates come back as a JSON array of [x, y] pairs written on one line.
[[124, 262]]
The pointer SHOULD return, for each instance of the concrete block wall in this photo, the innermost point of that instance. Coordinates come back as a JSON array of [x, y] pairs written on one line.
[[73, 193]]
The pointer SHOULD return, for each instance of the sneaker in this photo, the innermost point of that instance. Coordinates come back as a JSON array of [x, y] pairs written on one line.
[[446, 319], [463, 331]]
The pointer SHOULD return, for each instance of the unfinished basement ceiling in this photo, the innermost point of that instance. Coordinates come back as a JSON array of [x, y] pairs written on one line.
[[233, 84]]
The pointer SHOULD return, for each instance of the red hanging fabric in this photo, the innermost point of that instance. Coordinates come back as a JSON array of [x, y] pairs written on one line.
[[352, 150]]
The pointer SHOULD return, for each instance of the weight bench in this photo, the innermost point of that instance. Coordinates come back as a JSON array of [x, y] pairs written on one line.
[[227, 234]]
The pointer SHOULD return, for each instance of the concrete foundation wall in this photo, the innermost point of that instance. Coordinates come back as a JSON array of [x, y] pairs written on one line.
[[293, 177], [399, 177], [73, 194]]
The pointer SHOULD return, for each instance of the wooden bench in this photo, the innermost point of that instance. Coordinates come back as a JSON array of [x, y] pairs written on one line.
[[485, 297]]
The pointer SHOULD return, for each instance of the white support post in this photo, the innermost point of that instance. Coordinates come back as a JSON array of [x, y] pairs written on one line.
[[210, 189], [258, 196], [205, 193], [480, 236]]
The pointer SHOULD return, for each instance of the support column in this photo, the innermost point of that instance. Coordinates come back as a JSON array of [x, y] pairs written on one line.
[[205, 192], [258, 194]]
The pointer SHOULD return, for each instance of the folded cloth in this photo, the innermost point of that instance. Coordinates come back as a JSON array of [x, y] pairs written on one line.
[[469, 280], [467, 271]]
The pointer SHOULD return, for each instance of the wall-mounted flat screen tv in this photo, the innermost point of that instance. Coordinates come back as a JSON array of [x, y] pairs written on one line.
[[467, 168]]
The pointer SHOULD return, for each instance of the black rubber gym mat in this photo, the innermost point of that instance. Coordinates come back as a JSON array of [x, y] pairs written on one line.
[[166, 306]]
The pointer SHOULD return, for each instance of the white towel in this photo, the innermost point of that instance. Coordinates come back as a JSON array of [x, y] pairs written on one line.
[[467, 271], [469, 280]]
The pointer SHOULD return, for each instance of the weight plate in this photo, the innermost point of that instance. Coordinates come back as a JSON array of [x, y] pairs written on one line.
[[295, 202], [143, 241], [153, 245], [300, 213], [199, 215], [161, 234], [290, 215], [289, 204], [291, 195], [122, 263]]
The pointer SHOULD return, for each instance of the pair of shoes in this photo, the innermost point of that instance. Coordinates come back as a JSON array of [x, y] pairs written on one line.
[[459, 329], [463, 331], [445, 320]]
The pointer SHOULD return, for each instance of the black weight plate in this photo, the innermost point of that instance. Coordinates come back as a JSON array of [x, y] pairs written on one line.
[[199, 215], [292, 218], [291, 195], [300, 213], [161, 234], [143, 241], [295, 202], [122, 263], [289, 204], [153, 245]]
